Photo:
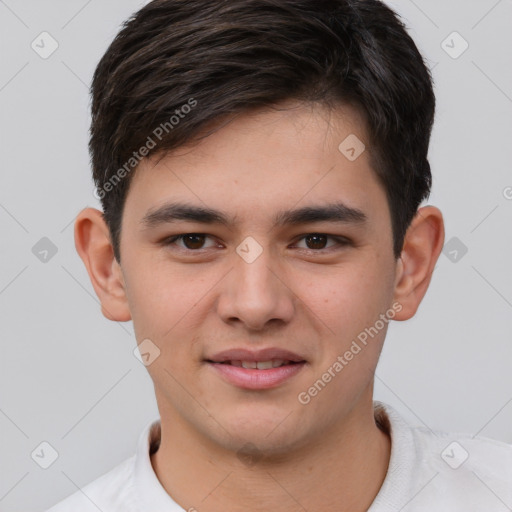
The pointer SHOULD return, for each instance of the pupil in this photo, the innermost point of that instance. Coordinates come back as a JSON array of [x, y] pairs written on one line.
[[193, 241], [318, 241]]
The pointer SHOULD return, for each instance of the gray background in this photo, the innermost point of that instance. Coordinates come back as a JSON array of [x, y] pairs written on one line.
[[69, 377]]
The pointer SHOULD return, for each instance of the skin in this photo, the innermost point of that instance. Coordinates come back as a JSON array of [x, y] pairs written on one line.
[[328, 454]]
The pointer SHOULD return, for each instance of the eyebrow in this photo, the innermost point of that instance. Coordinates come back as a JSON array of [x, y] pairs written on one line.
[[334, 212]]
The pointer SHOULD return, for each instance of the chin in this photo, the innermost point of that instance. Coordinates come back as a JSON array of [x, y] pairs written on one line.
[[265, 432]]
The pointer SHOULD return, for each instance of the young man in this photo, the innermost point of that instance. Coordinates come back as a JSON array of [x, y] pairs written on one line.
[[261, 165]]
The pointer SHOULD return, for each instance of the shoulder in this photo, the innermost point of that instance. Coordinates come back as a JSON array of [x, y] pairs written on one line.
[[443, 471], [464, 472], [461, 456], [111, 492]]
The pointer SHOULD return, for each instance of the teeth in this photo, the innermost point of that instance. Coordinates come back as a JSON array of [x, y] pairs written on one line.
[[260, 365], [264, 365]]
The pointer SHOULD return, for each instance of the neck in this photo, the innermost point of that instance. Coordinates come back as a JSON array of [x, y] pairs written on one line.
[[343, 470]]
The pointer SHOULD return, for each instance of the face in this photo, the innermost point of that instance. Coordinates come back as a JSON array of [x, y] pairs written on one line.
[[291, 259]]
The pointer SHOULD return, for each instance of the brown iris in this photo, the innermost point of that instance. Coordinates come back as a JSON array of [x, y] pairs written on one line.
[[193, 241], [317, 241]]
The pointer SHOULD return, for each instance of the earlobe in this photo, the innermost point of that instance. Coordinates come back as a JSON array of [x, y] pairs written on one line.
[[92, 242], [422, 246]]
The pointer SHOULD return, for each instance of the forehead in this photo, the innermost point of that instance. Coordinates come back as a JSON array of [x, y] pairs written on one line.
[[264, 162]]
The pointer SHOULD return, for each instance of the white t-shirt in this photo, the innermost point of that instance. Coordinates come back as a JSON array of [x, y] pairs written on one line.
[[428, 472]]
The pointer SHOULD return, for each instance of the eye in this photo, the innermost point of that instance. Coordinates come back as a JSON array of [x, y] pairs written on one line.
[[318, 241], [190, 241], [314, 242]]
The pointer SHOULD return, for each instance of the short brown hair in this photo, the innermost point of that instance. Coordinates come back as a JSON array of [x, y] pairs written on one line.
[[181, 64]]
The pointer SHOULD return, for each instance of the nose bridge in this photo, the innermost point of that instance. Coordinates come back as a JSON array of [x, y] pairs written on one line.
[[255, 293], [255, 277]]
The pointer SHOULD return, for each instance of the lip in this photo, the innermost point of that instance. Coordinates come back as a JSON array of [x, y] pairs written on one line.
[[249, 378], [242, 354], [252, 378]]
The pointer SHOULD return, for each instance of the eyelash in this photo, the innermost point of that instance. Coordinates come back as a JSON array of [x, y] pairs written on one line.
[[341, 242]]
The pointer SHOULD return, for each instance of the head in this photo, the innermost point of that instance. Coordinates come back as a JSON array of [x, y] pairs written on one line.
[[291, 138]]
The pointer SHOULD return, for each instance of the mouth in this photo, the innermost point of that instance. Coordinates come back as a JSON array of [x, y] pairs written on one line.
[[256, 370], [257, 365]]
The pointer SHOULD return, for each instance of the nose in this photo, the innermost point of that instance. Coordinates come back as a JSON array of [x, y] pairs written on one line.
[[256, 294]]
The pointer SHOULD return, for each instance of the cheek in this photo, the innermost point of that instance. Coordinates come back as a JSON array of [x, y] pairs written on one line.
[[348, 300], [161, 301]]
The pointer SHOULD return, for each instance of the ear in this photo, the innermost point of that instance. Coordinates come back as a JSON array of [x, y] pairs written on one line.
[[423, 243], [93, 244]]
